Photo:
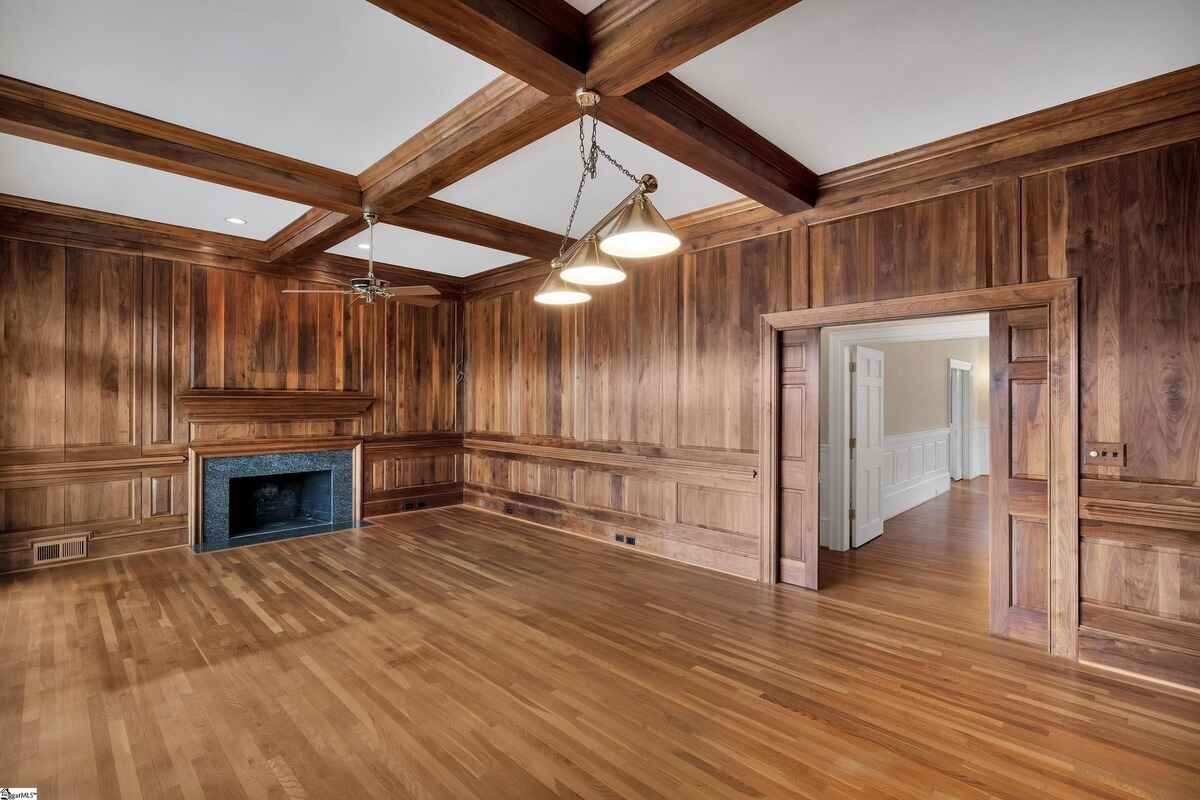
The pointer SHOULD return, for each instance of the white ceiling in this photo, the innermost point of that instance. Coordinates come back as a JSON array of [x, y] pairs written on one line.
[[406, 248], [833, 82], [58, 175], [836, 82], [336, 83], [536, 185]]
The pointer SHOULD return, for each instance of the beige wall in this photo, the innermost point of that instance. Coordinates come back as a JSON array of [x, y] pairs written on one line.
[[916, 383]]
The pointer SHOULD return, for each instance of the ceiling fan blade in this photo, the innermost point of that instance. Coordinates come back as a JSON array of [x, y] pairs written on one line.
[[318, 291], [396, 291]]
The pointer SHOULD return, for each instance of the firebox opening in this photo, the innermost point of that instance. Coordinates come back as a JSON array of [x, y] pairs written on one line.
[[275, 503]]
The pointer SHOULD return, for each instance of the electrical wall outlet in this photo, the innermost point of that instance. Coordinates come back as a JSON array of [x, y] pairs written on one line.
[[620, 537], [1104, 454]]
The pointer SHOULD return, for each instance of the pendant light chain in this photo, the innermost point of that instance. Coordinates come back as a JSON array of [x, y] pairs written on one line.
[[589, 156]]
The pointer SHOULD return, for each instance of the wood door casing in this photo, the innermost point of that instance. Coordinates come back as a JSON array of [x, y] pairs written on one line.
[[1020, 454], [799, 402]]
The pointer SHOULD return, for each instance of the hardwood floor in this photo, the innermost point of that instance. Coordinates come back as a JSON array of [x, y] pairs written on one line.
[[931, 562], [456, 654]]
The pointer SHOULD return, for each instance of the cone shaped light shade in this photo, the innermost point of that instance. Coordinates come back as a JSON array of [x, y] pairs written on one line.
[[590, 266], [639, 231], [557, 292]]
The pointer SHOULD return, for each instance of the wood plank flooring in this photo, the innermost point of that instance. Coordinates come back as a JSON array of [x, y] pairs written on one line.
[[456, 654], [930, 562]]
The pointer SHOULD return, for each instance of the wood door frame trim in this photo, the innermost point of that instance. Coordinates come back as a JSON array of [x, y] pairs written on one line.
[[1060, 296]]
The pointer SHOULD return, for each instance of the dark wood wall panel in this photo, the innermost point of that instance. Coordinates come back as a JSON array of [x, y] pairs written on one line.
[[97, 343], [1132, 232], [723, 291], [936, 245], [32, 339], [247, 334], [662, 366], [101, 351]]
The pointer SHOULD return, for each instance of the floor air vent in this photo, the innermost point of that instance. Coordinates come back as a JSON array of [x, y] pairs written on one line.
[[67, 548]]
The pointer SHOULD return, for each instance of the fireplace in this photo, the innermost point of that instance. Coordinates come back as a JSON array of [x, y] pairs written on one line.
[[277, 503], [261, 496]]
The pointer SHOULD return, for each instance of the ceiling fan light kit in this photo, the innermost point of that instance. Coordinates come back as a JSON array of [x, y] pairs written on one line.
[[632, 229], [368, 289]]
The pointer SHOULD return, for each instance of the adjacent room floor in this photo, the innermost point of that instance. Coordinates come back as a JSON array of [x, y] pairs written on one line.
[[930, 562], [456, 654]]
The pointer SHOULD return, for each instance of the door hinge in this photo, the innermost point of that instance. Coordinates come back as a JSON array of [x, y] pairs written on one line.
[[853, 366], [853, 442], [852, 515]]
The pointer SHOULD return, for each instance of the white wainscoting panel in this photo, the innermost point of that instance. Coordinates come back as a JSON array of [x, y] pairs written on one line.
[[981, 437], [916, 468]]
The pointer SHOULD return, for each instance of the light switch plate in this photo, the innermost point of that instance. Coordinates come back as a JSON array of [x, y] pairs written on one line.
[[1104, 454]]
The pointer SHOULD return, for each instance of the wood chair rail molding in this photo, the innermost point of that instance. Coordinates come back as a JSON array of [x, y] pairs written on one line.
[[1060, 298]]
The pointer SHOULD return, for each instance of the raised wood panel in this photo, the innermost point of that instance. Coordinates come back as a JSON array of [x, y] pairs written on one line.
[[797, 456], [1161, 581], [722, 293], [705, 507], [102, 502], [101, 350], [166, 351], [491, 349], [1131, 234], [931, 246], [627, 339], [32, 508], [1030, 444], [416, 362], [32, 337], [1030, 565], [247, 334]]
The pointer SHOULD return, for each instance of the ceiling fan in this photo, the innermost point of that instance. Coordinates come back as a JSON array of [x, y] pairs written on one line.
[[371, 288]]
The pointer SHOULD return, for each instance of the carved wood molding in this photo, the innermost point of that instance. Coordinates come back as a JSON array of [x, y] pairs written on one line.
[[248, 404]]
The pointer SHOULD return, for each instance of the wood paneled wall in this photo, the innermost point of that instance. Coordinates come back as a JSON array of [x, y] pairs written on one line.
[[97, 343], [662, 368]]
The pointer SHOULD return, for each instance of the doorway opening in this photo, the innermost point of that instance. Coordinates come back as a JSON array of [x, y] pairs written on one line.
[[904, 466], [1033, 452]]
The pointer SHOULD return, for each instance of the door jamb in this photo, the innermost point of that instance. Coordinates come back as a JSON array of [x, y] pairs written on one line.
[[1061, 298]]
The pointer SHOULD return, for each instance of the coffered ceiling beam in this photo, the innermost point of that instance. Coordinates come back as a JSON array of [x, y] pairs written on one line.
[[540, 42], [35, 112], [499, 119], [466, 225], [667, 115], [632, 42]]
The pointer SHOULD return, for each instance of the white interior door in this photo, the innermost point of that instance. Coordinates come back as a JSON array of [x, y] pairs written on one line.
[[960, 425], [866, 453]]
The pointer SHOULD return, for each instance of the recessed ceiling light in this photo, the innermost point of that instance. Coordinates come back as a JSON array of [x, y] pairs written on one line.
[[235, 220], [364, 246]]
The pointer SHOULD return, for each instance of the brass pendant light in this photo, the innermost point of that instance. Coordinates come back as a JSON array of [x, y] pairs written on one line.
[[557, 292], [639, 232], [632, 229], [591, 266]]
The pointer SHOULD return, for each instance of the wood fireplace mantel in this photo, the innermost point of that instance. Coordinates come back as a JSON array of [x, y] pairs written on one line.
[[244, 404]]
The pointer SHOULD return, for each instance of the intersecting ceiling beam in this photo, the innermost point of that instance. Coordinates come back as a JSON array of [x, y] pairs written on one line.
[[499, 119], [675, 120], [46, 115], [466, 225], [540, 42], [632, 42]]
